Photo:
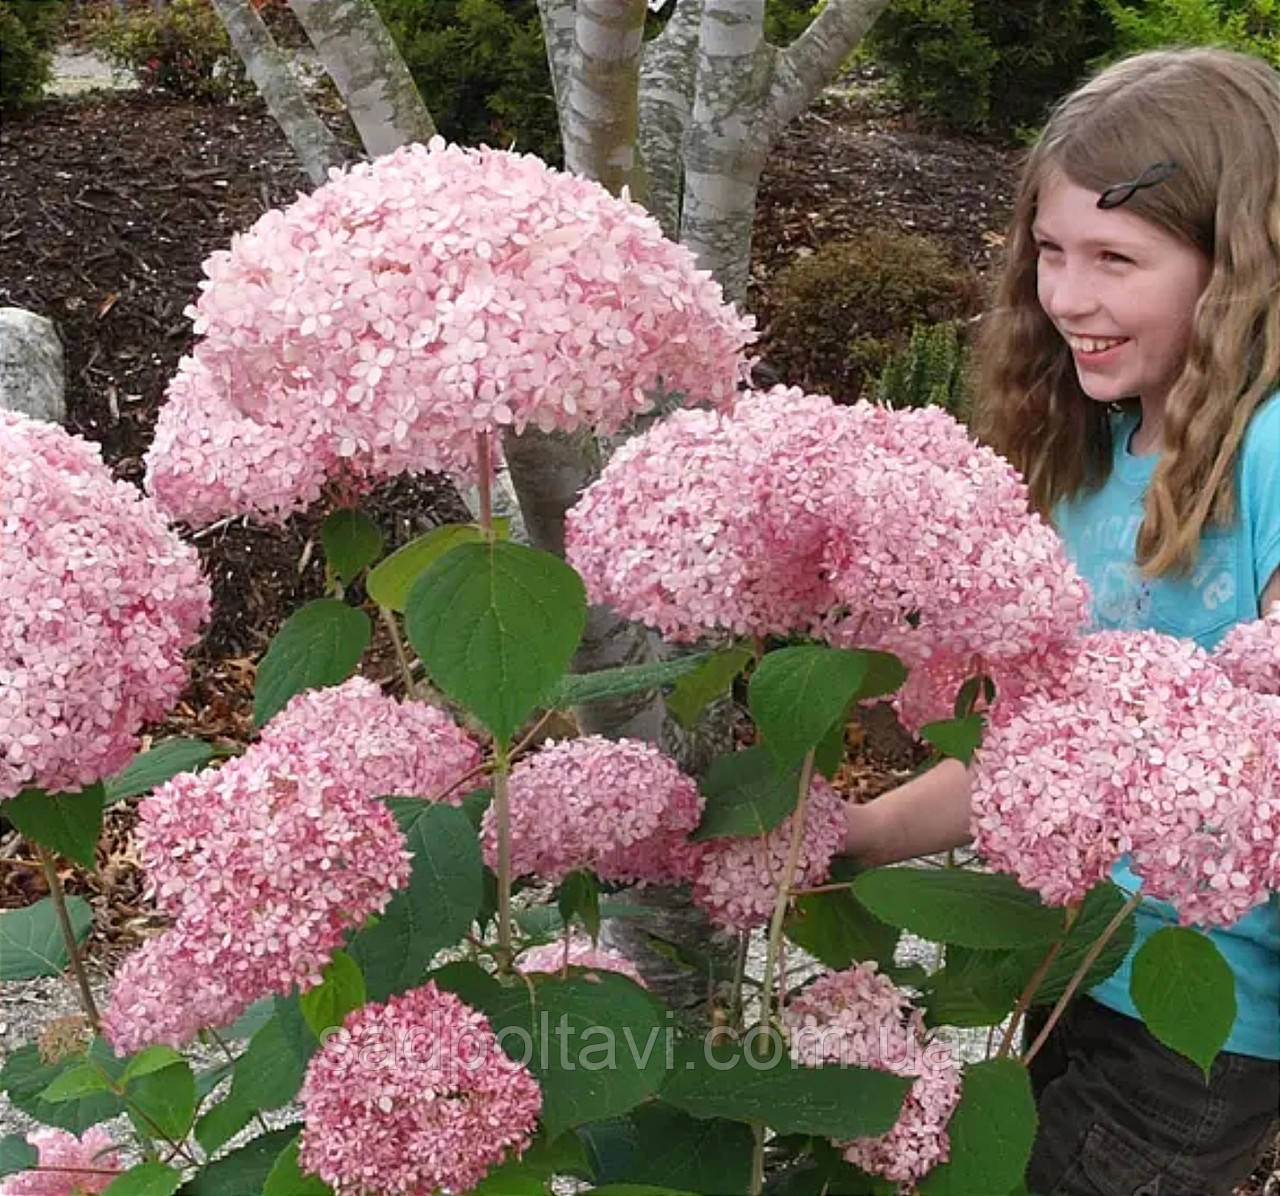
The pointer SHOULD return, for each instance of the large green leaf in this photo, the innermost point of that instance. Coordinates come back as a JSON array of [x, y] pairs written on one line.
[[838, 929], [578, 895], [161, 762], [219, 1124], [953, 905], [31, 942], [69, 823], [956, 737], [796, 694], [1186, 993], [146, 1179], [991, 1132], [746, 794], [351, 542], [242, 1172], [577, 689], [657, 1144], [164, 1100], [531, 1173], [341, 991], [288, 1179], [269, 1072], [24, 1077], [390, 581], [831, 1101], [442, 899], [698, 689], [320, 644], [496, 626], [16, 1154], [975, 988]]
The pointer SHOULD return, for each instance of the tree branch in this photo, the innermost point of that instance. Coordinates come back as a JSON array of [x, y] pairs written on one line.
[[557, 32], [368, 70], [316, 148]]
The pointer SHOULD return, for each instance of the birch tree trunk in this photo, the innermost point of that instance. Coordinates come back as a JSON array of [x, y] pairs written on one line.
[[368, 71], [309, 137]]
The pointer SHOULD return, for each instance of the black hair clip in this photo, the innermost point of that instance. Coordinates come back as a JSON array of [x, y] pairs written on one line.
[[1120, 193]]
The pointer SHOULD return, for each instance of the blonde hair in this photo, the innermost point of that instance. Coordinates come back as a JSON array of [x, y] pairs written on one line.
[[1217, 115]]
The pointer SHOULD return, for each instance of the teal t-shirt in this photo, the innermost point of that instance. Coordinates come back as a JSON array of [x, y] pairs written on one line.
[[1235, 563]]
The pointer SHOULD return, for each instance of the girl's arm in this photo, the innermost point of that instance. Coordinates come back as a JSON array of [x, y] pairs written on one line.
[[1270, 595], [928, 814]]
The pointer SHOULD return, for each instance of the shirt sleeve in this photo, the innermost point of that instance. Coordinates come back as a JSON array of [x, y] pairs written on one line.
[[1259, 494]]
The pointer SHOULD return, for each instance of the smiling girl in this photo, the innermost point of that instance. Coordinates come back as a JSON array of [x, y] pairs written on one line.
[[1131, 371]]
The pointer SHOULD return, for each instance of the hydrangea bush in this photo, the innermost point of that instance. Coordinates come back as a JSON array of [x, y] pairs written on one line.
[[342, 893]]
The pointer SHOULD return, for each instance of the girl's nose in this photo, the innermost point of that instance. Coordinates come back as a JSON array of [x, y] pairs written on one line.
[[1070, 294]]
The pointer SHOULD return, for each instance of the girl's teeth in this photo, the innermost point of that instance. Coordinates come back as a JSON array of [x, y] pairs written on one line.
[[1088, 345]]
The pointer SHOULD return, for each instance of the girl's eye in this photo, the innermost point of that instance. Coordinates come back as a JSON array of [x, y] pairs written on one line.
[[1116, 258]]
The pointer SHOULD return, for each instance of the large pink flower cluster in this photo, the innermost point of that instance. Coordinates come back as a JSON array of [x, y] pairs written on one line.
[[1136, 743], [82, 1166], [858, 1018], [100, 599], [577, 952], [736, 878], [414, 1096], [619, 808], [267, 862], [1250, 653], [373, 327], [864, 525]]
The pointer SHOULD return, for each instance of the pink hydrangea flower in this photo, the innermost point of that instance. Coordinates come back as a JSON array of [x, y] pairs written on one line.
[[577, 952], [619, 808], [414, 1096], [858, 1018], [266, 862], [1250, 653], [373, 327], [736, 878], [85, 1165], [100, 599], [1136, 744]]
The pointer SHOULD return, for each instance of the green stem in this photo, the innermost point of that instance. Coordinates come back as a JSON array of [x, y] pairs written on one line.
[[402, 657], [502, 812], [484, 471], [1076, 980], [784, 893], [69, 936], [1037, 979], [739, 973]]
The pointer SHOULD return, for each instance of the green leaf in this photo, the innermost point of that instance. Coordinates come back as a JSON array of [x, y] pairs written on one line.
[[252, 1019], [975, 988], [351, 542], [31, 942], [216, 1127], [342, 990], [954, 905], [991, 1132], [146, 1179], [244, 1170], [578, 895], [319, 645], [831, 1101], [577, 689], [85, 1080], [696, 690], [160, 763], [638, 1190], [839, 930], [68, 823], [1186, 993], [956, 737], [829, 754], [796, 694], [164, 1100], [16, 1154], [747, 794], [269, 1072], [496, 626], [288, 1179], [24, 1077], [150, 1059], [594, 1043], [390, 581], [435, 909], [531, 1173], [1100, 905], [658, 1144]]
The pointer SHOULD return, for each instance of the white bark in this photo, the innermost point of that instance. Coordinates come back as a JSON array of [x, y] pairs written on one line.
[[665, 107], [557, 32], [31, 371], [316, 148], [368, 71], [599, 117]]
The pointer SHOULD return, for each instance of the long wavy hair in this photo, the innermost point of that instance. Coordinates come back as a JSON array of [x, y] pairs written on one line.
[[1217, 115]]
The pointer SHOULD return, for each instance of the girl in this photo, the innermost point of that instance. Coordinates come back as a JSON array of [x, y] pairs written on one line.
[[1131, 371]]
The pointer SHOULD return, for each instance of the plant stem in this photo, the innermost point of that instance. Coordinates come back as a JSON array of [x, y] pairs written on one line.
[[502, 812], [1037, 978], [69, 937], [402, 657], [832, 888], [1085, 964], [784, 893], [757, 1159], [739, 972], [226, 1050], [484, 471]]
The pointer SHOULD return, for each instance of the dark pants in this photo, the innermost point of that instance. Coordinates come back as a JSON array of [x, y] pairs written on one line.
[[1123, 1115]]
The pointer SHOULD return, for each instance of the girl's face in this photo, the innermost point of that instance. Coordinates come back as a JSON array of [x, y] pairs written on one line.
[[1120, 290]]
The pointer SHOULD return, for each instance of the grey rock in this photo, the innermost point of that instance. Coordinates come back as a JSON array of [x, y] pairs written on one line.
[[31, 370]]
